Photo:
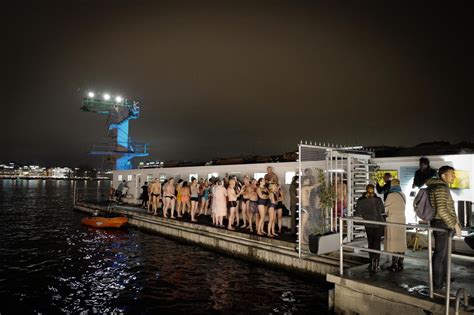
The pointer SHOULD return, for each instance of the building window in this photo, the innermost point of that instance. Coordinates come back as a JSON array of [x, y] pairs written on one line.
[[162, 177], [289, 177], [257, 176], [120, 177], [149, 178], [192, 175], [129, 178], [211, 175]]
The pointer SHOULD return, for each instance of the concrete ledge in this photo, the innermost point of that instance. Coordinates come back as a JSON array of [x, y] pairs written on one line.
[[277, 253]]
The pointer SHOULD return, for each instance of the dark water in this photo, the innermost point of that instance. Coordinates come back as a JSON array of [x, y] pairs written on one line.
[[50, 263]]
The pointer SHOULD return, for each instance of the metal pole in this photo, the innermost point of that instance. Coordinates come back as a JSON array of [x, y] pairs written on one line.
[[430, 264], [448, 273], [341, 252], [349, 198], [299, 205]]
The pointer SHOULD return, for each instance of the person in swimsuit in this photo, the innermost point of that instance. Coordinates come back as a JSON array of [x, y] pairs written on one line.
[[279, 209], [155, 194], [232, 203], [178, 197], [262, 192], [194, 198], [200, 194], [205, 198], [244, 204], [271, 177], [185, 198], [169, 198], [271, 209], [253, 204]]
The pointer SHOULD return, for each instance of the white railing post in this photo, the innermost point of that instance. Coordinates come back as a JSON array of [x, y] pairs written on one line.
[[341, 251], [430, 263]]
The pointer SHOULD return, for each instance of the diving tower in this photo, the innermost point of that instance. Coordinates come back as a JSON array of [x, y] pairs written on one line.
[[119, 145]]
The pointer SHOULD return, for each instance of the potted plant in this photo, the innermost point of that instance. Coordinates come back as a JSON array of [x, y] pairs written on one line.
[[322, 240]]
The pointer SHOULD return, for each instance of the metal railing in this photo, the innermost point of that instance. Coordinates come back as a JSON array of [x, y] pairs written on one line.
[[416, 226]]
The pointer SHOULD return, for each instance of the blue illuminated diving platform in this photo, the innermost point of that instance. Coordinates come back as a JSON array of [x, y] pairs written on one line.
[[120, 112]]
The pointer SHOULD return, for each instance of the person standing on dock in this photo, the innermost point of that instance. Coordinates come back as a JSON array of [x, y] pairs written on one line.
[[424, 173], [118, 191], [370, 207], [270, 177], [145, 196], [194, 198], [232, 203], [155, 194], [169, 198], [445, 217], [395, 236], [220, 199], [385, 189]]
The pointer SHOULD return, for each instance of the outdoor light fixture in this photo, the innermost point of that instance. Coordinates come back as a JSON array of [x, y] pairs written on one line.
[[106, 97], [91, 94], [118, 99]]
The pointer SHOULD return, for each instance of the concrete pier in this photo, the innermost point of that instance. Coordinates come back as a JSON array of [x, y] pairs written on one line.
[[251, 247], [406, 292]]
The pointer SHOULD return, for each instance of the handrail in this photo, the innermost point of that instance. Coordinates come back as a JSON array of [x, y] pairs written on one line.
[[430, 267], [458, 299]]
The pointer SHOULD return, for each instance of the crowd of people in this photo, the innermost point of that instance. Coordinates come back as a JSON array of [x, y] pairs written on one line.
[[392, 210], [246, 203]]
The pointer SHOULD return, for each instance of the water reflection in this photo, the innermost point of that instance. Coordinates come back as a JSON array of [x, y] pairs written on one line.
[[51, 263]]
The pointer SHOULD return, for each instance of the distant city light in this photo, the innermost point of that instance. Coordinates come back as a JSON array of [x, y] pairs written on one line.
[[106, 97], [91, 94], [118, 99]]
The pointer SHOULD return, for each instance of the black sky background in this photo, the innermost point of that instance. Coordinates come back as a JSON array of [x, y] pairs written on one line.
[[216, 79]]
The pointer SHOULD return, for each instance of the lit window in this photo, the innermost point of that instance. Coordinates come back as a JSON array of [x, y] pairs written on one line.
[[162, 177], [257, 176], [289, 177], [211, 175], [192, 175], [120, 177], [129, 178], [149, 177]]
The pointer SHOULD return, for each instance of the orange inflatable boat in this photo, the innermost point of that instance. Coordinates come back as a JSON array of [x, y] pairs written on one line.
[[101, 222]]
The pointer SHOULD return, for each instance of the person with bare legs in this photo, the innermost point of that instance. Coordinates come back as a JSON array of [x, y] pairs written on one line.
[[155, 191], [185, 198], [279, 209], [169, 198], [220, 202], [262, 202], [194, 198], [253, 204], [232, 203], [244, 203], [271, 210], [178, 197], [205, 198], [200, 195]]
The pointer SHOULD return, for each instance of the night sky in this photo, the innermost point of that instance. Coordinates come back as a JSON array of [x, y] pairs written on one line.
[[228, 78]]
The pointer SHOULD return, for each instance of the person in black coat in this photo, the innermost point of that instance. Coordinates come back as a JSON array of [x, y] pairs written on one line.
[[424, 173], [370, 207], [387, 178]]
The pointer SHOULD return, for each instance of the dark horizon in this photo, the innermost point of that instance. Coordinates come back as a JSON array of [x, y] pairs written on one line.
[[217, 80]]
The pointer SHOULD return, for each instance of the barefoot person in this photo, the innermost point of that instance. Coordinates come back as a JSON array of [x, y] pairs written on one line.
[[155, 194], [220, 199], [253, 204], [244, 204], [271, 177], [279, 209], [272, 198], [262, 192], [178, 197], [185, 198], [205, 198], [194, 198], [232, 203], [169, 198]]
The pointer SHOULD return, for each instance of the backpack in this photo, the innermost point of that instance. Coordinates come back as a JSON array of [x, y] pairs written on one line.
[[422, 205]]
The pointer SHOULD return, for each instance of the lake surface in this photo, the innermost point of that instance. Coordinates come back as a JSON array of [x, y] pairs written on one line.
[[50, 263]]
